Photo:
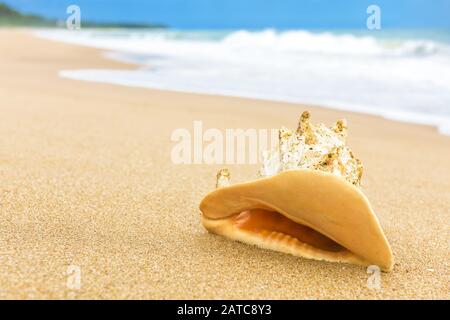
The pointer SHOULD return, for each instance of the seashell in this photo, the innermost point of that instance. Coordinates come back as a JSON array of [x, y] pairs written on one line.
[[306, 201]]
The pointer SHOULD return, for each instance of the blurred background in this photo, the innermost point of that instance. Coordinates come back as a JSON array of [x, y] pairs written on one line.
[[393, 60]]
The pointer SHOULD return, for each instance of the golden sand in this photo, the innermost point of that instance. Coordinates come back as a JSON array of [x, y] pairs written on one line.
[[86, 181]]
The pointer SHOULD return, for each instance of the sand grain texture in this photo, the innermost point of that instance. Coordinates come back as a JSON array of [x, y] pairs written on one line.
[[86, 180]]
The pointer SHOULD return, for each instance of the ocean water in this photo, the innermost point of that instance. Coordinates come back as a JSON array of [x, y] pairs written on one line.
[[401, 75]]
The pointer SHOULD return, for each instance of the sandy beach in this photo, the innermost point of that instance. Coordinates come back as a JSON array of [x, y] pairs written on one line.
[[87, 184]]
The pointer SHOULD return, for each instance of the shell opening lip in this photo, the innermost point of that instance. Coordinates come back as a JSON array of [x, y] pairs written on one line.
[[275, 225]]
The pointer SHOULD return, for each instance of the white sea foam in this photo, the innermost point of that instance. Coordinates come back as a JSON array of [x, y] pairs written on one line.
[[407, 80]]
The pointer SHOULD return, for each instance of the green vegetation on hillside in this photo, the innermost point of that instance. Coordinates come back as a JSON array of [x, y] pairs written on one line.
[[11, 17]]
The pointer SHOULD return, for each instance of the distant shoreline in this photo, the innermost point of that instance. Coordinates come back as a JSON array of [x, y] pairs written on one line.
[[10, 17]]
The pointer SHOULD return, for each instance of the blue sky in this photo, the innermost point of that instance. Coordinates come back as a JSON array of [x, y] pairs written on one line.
[[233, 14]]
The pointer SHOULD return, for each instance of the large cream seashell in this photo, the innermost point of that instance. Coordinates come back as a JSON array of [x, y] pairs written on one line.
[[305, 212]]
